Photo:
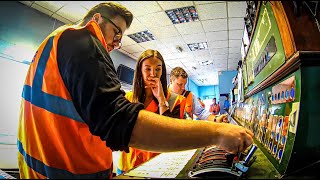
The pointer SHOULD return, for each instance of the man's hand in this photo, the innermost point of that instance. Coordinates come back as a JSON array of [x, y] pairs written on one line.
[[233, 138], [222, 118]]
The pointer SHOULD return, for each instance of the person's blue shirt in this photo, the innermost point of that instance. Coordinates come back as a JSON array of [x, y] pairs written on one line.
[[226, 105]]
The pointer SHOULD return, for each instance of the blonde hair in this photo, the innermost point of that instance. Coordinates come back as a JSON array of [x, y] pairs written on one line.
[[177, 72]]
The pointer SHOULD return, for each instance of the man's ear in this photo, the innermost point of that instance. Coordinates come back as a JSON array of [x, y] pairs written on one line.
[[96, 17]]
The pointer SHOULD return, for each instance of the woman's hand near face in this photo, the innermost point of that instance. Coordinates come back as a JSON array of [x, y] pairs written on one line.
[[156, 87]]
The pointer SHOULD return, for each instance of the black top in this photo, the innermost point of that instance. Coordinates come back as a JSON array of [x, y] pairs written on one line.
[[90, 76]]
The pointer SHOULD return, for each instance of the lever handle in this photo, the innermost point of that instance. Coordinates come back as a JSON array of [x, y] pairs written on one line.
[[251, 152]]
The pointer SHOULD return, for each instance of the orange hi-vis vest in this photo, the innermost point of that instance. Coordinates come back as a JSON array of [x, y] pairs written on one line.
[[53, 140], [189, 103], [135, 156]]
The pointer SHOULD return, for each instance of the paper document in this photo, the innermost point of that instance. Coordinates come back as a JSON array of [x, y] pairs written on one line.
[[165, 165]]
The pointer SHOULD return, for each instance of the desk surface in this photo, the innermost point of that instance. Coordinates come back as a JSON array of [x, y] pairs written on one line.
[[260, 169]]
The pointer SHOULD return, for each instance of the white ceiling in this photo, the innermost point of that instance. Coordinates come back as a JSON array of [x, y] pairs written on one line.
[[220, 24]]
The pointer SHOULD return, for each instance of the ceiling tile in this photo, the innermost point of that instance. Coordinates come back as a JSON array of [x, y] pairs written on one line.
[[237, 9], [170, 56], [174, 63], [235, 56], [140, 8], [162, 48], [206, 2], [189, 64], [126, 53], [235, 43], [236, 23], [185, 55], [42, 9], [212, 11], [156, 19], [189, 28], [217, 51], [151, 16], [133, 48], [202, 59], [62, 19], [194, 38], [217, 36], [137, 54], [164, 32], [233, 63], [157, 45], [232, 66], [235, 34], [166, 5], [127, 41], [219, 66], [217, 44], [150, 44], [73, 12], [223, 57], [233, 60], [202, 53], [215, 25], [168, 68], [220, 62], [135, 27], [172, 40], [234, 50], [52, 5], [89, 4], [27, 3]]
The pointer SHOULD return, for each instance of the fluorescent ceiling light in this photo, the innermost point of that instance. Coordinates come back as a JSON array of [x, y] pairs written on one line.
[[142, 36], [182, 15]]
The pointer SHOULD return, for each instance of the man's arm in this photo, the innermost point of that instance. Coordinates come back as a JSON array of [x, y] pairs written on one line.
[[157, 133]]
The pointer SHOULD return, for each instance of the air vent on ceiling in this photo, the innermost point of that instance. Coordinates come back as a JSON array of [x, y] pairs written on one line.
[[205, 63], [202, 80], [142, 36], [198, 46], [182, 15]]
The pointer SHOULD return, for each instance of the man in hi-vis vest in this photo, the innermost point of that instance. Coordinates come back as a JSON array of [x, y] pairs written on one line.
[[178, 81], [73, 113]]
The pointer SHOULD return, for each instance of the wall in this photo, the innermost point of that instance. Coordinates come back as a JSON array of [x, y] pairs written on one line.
[[225, 86], [225, 81], [20, 33], [210, 91], [120, 58], [191, 86], [207, 93], [23, 30]]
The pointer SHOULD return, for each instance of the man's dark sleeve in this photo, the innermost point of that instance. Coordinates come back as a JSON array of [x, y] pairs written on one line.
[[90, 76]]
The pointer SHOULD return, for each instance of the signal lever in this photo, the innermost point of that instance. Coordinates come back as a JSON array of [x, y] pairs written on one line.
[[243, 166]]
